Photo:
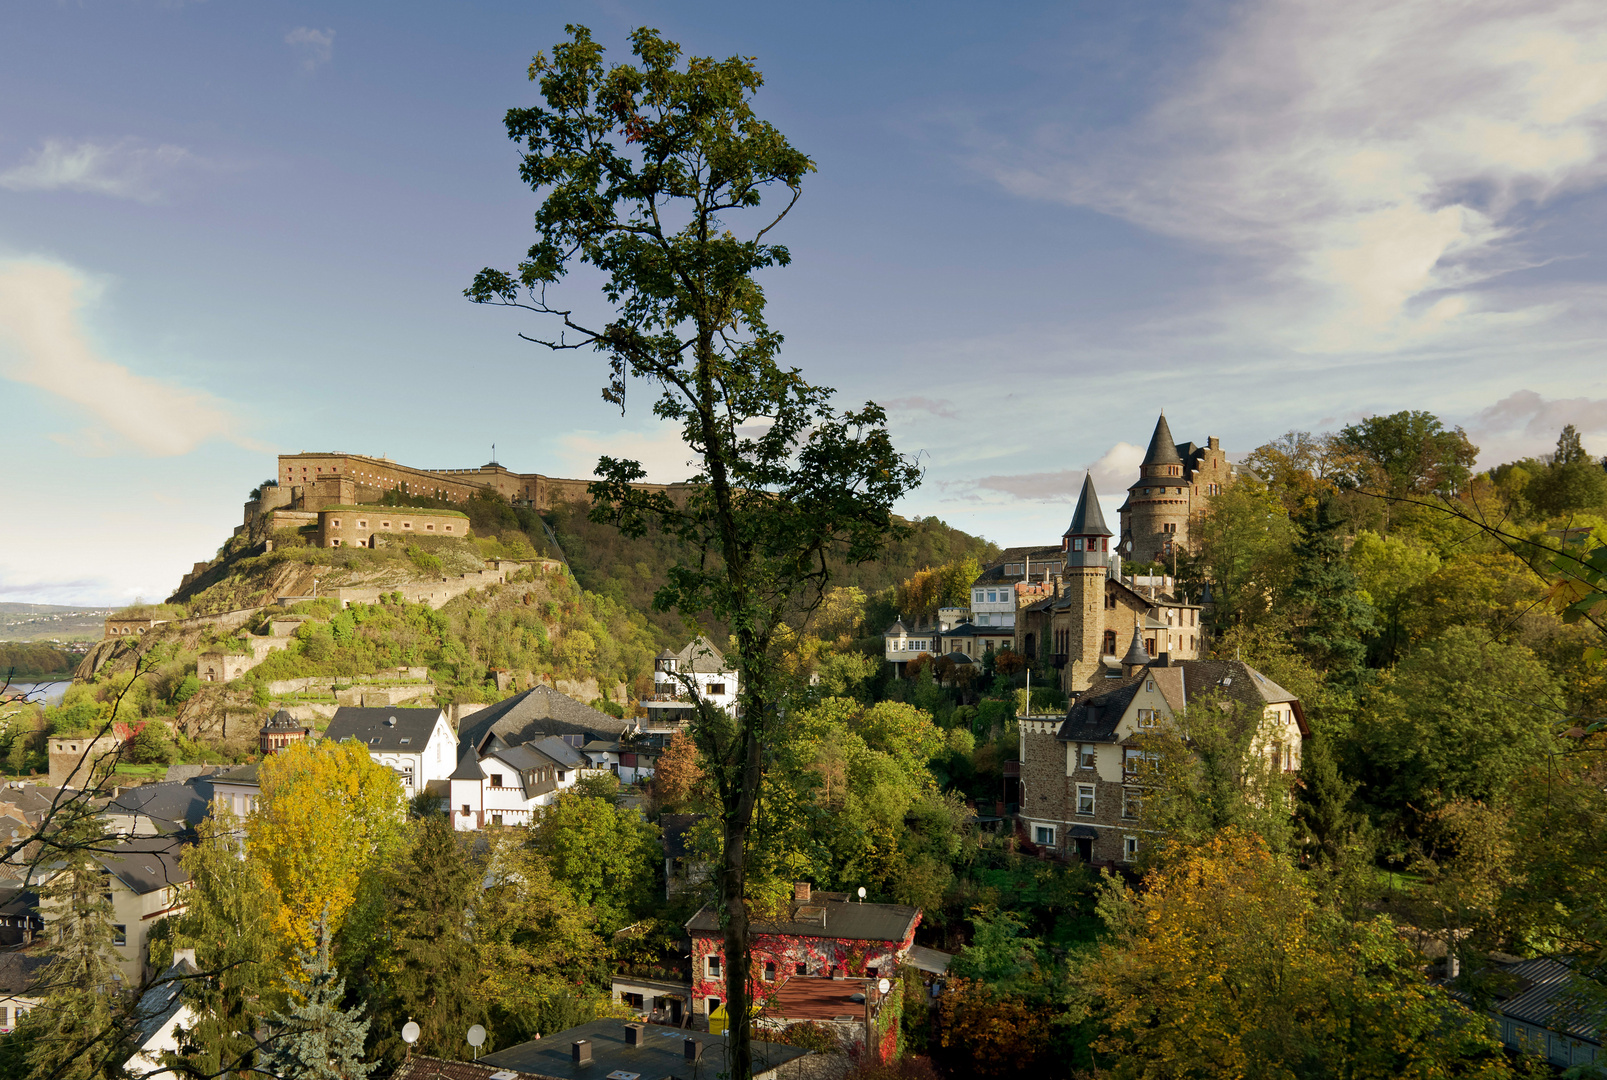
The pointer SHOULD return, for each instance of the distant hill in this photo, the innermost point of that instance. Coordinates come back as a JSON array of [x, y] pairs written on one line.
[[52, 622]]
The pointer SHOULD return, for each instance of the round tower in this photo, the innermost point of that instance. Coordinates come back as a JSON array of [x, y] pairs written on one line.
[[1155, 516], [1086, 546]]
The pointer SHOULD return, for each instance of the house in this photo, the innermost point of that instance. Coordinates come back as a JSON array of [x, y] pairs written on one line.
[[19, 917], [698, 672], [1081, 777], [19, 971], [238, 789], [822, 936], [279, 731], [851, 1010], [537, 713], [1535, 1013], [159, 809], [146, 884], [683, 870], [500, 784], [608, 1048], [418, 743], [161, 1016]]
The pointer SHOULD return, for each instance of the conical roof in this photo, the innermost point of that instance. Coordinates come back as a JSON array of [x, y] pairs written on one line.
[[1162, 450], [1136, 655], [1087, 519]]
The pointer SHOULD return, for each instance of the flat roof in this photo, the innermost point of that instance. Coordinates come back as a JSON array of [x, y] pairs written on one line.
[[661, 1053]]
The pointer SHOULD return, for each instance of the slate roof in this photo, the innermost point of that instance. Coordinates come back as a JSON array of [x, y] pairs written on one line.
[[1087, 519], [536, 713], [18, 970], [162, 1000], [171, 805], [700, 657], [565, 755], [661, 1054], [468, 765], [896, 630], [145, 863], [1040, 559], [33, 800], [374, 729], [1243, 684], [1547, 998], [190, 772], [282, 721], [245, 774], [971, 629], [1093, 716], [1135, 651], [819, 917], [1162, 450], [923, 959]]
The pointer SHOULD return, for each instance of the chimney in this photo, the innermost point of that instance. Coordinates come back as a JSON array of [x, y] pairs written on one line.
[[694, 1049], [800, 891], [1214, 442], [180, 955], [581, 1049], [633, 1034]]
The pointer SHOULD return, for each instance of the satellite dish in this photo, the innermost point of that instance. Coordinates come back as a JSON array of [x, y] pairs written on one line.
[[477, 1036], [862, 892], [410, 1033], [884, 986]]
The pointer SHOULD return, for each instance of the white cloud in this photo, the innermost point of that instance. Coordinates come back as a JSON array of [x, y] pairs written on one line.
[[127, 169], [1115, 469], [1374, 161], [43, 344], [663, 455], [1524, 423], [315, 46]]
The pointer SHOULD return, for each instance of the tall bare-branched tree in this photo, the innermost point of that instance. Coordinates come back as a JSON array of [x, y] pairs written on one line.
[[647, 172]]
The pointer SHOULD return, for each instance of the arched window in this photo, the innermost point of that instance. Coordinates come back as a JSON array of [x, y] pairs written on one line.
[[1110, 643]]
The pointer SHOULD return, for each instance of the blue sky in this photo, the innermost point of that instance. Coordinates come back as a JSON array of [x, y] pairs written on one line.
[[230, 230]]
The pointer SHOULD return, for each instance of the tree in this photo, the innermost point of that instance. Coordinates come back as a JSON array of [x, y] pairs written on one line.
[[1334, 619], [1243, 548], [314, 1038], [328, 815], [1461, 717], [229, 921], [433, 975], [1226, 965], [1406, 453], [75, 1028], [605, 855], [676, 776], [1391, 569], [646, 172]]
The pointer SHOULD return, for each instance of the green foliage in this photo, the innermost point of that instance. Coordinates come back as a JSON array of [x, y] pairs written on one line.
[[1406, 453], [314, 1037], [22, 661], [605, 856], [1332, 615], [152, 744]]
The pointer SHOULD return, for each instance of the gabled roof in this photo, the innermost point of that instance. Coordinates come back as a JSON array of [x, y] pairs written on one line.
[[468, 765], [145, 864], [1096, 712], [388, 730], [171, 805], [675, 828], [1162, 450], [1088, 519], [660, 1053], [1548, 997], [701, 657], [536, 713], [18, 970], [162, 1001], [826, 918], [1093, 716], [564, 755]]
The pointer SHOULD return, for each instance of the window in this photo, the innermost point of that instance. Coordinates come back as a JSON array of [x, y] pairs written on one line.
[[1085, 755], [632, 1000], [1085, 798], [1076, 543], [1130, 847], [979, 595], [496, 779], [1043, 836], [714, 967], [717, 688], [119, 934], [406, 740], [1131, 760], [429, 528], [769, 971], [362, 524], [1132, 803], [560, 776], [465, 809], [496, 819], [800, 969], [384, 524], [1149, 685], [335, 522], [1146, 718], [407, 524], [448, 528]]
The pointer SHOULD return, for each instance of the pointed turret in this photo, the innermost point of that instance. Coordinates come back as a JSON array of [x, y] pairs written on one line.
[[1087, 519], [1136, 656], [1162, 450]]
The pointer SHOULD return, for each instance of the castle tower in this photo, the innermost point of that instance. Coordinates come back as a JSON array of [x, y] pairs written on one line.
[[1086, 545], [1155, 517]]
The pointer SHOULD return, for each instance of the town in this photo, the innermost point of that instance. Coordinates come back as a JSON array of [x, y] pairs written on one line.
[[1083, 558]]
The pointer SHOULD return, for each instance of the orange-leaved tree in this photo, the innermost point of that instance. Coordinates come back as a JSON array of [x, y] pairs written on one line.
[[328, 815]]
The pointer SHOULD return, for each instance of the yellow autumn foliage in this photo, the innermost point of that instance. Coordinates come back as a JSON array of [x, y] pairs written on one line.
[[328, 813]]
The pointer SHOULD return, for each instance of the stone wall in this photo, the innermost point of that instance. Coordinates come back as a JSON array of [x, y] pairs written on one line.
[[73, 758], [357, 526]]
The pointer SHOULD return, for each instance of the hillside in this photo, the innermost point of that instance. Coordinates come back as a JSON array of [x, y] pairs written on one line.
[[51, 622]]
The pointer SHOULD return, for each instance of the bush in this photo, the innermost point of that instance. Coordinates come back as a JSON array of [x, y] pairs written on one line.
[[810, 1036], [151, 745]]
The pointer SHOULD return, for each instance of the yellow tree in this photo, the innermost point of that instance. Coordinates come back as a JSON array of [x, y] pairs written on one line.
[[1226, 965], [328, 814]]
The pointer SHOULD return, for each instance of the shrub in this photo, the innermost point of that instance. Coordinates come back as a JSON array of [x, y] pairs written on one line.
[[810, 1036]]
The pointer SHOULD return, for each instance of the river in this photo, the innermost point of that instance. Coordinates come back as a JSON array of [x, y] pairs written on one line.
[[48, 692]]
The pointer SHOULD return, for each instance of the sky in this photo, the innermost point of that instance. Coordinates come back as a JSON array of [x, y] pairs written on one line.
[[235, 229]]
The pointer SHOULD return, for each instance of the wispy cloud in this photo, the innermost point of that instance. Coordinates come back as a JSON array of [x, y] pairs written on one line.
[[921, 406], [127, 169], [316, 47], [43, 344], [1526, 423], [1374, 162], [1114, 470]]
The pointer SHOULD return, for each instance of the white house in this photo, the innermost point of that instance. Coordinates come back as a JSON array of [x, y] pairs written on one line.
[[505, 785], [418, 743], [163, 1015], [698, 672]]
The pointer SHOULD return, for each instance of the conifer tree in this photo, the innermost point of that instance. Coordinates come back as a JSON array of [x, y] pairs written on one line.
[[1334, 618], [434, 977], [316, 1038], [69, 1030], [230, 924]]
